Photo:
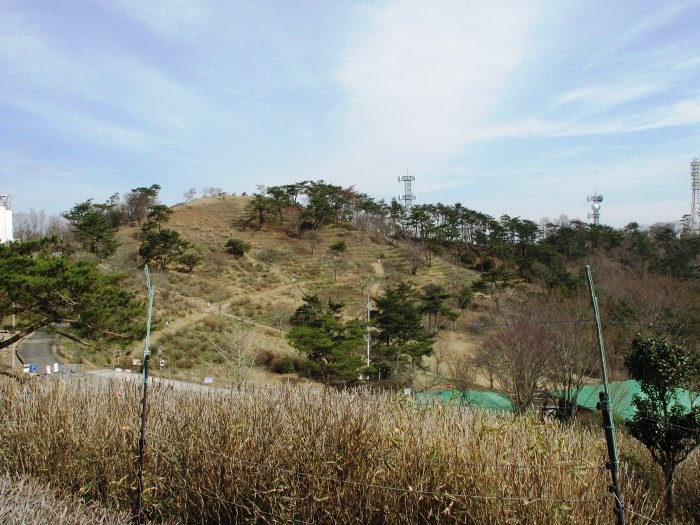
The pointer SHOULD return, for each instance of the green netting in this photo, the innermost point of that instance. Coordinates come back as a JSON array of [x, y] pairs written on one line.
[[474, 398], [621, 393]]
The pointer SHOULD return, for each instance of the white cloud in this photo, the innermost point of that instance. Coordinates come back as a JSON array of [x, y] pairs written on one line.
[[167, 17], [421, 79], [426, 74], [99, 95]]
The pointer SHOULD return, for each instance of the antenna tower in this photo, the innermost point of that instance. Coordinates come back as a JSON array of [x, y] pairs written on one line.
[[595, 207], [408, 196], [695, 199]]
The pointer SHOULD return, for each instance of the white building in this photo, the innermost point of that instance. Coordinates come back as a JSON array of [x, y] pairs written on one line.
[[5, 219]]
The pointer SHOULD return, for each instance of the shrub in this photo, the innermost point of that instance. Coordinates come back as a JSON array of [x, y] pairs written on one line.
[[237, 247]]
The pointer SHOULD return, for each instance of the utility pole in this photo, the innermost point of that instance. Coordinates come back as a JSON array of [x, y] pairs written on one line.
[[368, 337], [14, 347]]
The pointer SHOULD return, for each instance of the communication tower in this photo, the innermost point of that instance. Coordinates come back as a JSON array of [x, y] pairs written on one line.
[[408, 196], [5, 219], [694, 221], [595, 206]]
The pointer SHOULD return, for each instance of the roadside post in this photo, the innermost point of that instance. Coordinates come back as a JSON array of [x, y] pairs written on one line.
[[142, 442]]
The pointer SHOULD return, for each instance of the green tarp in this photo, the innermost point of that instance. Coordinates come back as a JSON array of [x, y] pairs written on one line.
[[621, 393], [474, 398]]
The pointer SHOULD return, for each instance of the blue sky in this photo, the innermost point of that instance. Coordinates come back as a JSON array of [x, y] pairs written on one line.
[[522, 107]]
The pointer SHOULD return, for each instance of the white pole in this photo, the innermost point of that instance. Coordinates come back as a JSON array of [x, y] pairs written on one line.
[[368, 337], [14, 351]]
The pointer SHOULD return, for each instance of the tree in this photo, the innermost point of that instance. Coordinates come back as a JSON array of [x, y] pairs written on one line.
[[92, 228], [401, 339], [333, 346], [259, 209], [434, 304], [140, 200], [517, 353], [464, 297], [161, 247], [212, 191], [414, 255], [43, 289], [190, 259], [669, 430], [234, 348], [189, 194], [158, 215], [29, 225], [462, 370], [338, 247], [569, 341], [336, 264], [314, 239], [237, 247]]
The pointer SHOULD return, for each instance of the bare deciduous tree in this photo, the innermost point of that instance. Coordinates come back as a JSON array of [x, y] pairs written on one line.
[[518, 351], [235, 350], [462, 371], [569, 338], [29, 225], [189, 194]]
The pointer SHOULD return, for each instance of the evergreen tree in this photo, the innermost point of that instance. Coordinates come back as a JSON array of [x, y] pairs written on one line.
[[434, 305], [161, 247], [92, 228], [158, 215], [402, 341], [669, 430], [45, 289], [332, 346]]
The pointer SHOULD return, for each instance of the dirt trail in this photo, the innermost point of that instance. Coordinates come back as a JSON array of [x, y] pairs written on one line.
[[376, 286]]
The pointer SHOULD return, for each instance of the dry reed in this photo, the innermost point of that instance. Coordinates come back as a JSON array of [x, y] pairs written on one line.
[[299, 455], [23, 501]]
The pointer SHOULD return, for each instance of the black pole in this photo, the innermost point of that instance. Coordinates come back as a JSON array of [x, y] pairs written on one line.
[[612, 463], [142, 444], [142, 436], [604, 406]]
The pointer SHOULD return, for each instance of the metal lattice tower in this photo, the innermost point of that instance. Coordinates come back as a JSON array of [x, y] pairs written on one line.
[[695, 199], [408, 196], [595, 207]]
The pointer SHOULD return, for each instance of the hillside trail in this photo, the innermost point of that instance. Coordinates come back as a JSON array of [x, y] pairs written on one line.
[[204, 308], [376, 287]]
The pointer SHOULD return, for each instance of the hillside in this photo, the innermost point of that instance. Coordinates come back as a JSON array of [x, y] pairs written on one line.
[[258, 296]]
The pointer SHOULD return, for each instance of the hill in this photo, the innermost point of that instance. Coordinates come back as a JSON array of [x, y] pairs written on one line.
[[255, 296]]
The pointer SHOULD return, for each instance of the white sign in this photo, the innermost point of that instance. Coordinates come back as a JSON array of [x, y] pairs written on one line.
[[208, 380], [48, 369], [55, 368]]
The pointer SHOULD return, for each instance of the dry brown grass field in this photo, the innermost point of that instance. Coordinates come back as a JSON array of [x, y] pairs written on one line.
[[24, 500], [305, 455]]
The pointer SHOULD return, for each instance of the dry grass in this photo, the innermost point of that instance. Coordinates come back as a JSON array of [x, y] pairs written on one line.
[[283, 455], [23, 500]]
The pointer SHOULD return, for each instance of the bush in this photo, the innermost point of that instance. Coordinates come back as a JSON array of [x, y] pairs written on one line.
[[339, 247], [237, 247]]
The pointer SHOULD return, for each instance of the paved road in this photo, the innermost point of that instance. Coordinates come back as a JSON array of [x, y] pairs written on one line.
[[36, 349], [137, 377]]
